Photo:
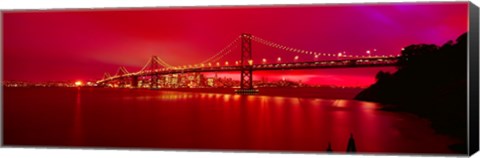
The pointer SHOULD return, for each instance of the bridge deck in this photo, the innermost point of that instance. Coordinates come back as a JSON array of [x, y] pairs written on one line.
[[350, 63]]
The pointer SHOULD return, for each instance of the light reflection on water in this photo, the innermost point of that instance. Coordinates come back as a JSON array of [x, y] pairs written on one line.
[[77, 134], [167, 119]]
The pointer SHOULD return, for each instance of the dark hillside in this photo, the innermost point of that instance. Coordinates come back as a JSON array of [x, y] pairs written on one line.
[[431, 81]]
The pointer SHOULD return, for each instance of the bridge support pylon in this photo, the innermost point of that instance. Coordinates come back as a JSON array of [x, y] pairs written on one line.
[[122, 82], [154, 81], [246, 61], [134, 82]]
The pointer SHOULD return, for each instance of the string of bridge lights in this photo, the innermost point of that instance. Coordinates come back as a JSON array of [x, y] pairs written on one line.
[[122, 69], [222, 52], [287, 48], [106, 75], [219, 55], [228, 49], [314, 53], [162, 62], [157, 60], [148, 63]]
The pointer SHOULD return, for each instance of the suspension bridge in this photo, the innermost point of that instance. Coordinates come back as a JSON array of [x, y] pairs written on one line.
[[156, 71]]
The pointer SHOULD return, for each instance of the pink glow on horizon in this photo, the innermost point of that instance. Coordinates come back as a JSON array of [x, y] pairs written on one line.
[[362, 77]]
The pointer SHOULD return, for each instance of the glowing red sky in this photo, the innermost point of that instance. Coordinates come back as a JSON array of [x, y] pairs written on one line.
[[83, 44]]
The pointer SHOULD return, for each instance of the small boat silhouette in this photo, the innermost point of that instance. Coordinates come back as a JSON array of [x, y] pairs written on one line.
[[351, 145], [329, 148]]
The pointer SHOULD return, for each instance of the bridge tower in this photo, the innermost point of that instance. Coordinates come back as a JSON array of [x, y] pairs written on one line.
[[123, 80], [106, 76], [134, 81], [246, 61], [154, 65]]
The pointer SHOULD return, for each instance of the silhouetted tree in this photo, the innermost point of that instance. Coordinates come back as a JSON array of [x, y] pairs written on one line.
[[431, 82], [413, 53], [382, 75], [329, 148], [351, 148]]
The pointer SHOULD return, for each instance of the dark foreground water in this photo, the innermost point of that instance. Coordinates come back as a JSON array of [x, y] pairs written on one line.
[[95, 117]]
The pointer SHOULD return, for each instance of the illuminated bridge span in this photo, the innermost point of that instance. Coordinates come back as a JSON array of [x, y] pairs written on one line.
[[156, 71]]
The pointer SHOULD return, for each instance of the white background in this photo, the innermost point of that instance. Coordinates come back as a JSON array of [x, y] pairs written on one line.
[[88, 153]]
